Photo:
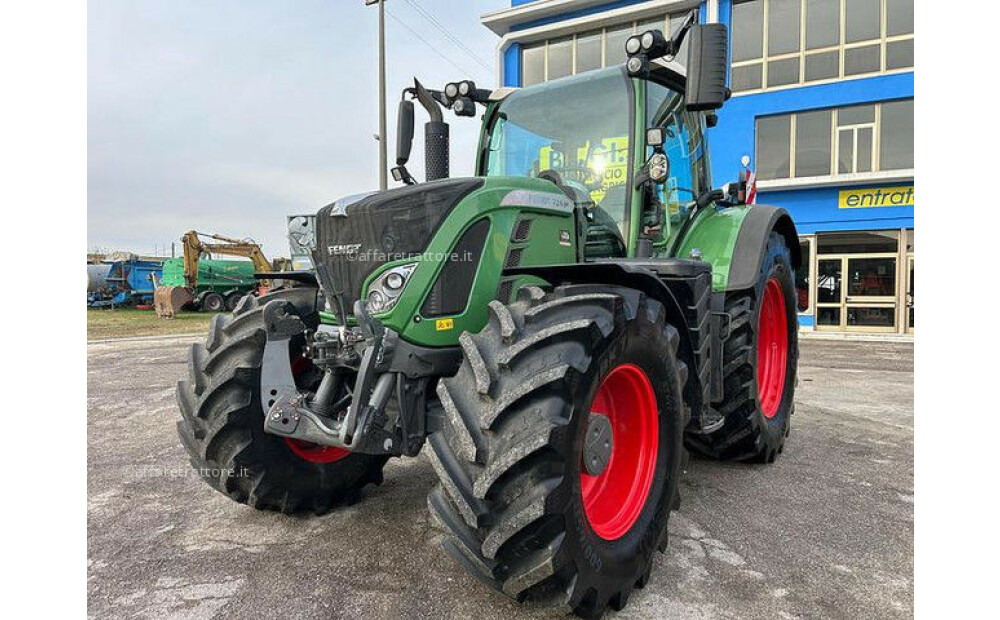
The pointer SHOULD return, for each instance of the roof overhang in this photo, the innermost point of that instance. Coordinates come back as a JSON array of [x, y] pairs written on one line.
[[501, 22]]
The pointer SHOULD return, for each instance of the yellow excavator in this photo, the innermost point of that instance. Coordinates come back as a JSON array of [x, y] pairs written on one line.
[[223, 290]]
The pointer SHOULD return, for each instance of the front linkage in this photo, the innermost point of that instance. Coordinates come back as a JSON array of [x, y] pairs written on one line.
[[358, 416]]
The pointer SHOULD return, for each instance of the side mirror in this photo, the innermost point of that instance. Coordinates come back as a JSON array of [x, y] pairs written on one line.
[[404, 132], [706, 67]]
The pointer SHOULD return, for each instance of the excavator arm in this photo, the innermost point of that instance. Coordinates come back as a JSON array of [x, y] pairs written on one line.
[[194, 248], [168, 300]]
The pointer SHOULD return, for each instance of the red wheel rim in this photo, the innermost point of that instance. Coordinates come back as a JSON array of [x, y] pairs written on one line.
[[306, 450], [614, 499], [772, 348], [315, 453]]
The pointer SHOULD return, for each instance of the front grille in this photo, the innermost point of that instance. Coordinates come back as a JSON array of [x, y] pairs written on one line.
[[450, 292], [391, 225]]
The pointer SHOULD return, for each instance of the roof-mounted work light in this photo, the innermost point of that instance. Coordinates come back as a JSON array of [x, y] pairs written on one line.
[[650, 45]]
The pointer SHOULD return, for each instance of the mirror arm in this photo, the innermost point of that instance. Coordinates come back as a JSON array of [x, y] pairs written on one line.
[[678, 38]]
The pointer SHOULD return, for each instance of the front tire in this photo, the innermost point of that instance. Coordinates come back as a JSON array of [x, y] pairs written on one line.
[[222, 421], [760, 359], [521, 509]]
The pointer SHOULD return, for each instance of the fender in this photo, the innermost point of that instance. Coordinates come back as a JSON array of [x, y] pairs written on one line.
[[751, 244], [734, 239]]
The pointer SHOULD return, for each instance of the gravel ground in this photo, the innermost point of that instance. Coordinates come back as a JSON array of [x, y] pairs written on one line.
[[826, 532]]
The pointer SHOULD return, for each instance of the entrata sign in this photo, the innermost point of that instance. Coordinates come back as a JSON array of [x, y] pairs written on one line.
[[901, 196]]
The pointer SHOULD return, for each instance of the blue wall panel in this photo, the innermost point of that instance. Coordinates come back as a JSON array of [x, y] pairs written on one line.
[[512, 65], [816, 210]]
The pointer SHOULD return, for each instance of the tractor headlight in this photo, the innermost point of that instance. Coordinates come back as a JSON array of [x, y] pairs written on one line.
[[466, 87], [376, 301], [451, 90], [385, 290]]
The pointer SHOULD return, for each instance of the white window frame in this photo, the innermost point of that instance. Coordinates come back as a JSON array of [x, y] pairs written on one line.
[[875, 171], [883, 41]]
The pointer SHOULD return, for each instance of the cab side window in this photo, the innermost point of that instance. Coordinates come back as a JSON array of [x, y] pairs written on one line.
[[683, 146]]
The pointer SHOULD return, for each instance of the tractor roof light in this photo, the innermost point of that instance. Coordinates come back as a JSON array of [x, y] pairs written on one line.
[[654, 44], [637, 65], [464, 106], [633, 45]]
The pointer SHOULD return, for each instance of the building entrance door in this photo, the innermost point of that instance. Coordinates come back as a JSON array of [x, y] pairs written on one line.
[[856, 292]]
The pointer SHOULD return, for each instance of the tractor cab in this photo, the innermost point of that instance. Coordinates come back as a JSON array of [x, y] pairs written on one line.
[[634, 185], [625, 144]]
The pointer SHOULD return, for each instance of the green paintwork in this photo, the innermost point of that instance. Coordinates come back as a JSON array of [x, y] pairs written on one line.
[[544, 249], [713, 234], [213, 275]]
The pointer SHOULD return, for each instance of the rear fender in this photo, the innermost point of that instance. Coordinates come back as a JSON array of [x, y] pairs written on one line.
[[751, 244], [734, 239]]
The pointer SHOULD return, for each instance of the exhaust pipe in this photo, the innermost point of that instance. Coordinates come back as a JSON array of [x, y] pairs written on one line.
[[436, 139]]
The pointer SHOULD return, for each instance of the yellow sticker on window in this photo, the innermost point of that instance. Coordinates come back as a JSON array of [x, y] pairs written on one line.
[[444, 324]]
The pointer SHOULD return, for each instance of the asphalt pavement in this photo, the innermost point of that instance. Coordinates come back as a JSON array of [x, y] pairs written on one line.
[[826, 532]]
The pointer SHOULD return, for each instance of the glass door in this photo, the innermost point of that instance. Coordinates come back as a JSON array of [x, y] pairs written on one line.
[[870, 302], [856, 292], [829, 294]]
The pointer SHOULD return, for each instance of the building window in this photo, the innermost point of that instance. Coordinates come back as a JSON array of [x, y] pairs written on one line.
[[551, 59], [788, 42], [875, 137]]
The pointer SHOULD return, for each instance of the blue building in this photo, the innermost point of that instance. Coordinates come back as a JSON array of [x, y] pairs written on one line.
[[822, 105]]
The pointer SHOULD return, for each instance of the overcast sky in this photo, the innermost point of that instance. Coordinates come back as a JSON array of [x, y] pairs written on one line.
[[227, 115]]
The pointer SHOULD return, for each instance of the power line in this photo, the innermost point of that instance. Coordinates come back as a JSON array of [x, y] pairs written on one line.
[[425, 42], [434, 22]]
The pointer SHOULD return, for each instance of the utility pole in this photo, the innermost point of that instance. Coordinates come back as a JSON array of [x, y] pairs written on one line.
[[383, 181]]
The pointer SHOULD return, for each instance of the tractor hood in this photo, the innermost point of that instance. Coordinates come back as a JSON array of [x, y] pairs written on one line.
[[355, 235]]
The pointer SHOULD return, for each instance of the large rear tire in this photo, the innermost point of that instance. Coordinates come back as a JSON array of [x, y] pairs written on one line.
[[759, 361], [222, 421], [548, 382]]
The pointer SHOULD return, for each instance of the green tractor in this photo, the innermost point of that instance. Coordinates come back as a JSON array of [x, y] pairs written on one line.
[[560, 329]]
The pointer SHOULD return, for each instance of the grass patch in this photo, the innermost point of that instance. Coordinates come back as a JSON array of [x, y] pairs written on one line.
[[103, 323]]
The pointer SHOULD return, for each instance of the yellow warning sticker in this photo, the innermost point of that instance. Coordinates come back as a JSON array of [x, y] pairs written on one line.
[[444, 324]]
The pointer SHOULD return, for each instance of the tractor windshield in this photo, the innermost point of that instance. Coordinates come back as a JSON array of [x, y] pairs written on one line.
[[577, 127]]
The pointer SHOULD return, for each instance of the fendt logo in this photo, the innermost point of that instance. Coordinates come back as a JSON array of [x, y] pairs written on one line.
[[342, 250]]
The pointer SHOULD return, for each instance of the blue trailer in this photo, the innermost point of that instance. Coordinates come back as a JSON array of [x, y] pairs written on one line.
[[128, 282]]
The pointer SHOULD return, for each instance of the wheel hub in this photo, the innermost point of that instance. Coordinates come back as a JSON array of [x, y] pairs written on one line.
[[598, 445]]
